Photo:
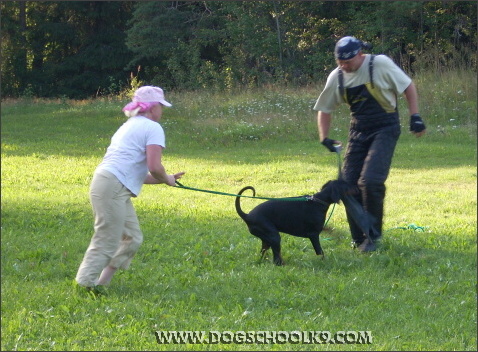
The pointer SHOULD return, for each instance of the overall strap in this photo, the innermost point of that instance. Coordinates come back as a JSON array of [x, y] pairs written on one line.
[[370, 69], [341, 77], [341, 83]]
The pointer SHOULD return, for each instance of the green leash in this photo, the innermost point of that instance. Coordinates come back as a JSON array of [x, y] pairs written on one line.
[[295, 199], [410, 227], [338, 149]]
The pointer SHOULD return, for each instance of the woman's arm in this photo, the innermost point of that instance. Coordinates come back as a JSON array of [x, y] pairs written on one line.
[[157, 172]]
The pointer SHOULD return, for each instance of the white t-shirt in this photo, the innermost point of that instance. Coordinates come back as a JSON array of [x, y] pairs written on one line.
[[389, 81], [126, 156]]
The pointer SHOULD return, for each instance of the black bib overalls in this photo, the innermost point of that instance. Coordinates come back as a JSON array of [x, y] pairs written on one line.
[[373, 135]]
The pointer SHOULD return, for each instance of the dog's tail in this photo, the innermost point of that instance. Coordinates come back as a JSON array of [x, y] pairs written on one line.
[[238, 201]]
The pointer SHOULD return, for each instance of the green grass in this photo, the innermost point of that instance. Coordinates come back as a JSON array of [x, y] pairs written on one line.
[[199, 268]]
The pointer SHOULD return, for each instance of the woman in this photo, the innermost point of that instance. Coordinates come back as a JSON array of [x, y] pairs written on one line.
[[132, 159]]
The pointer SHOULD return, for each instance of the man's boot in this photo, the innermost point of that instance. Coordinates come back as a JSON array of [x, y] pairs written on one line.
[[373, 200], [358, 237]]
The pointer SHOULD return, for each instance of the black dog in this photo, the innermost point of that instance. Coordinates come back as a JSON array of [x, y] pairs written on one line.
[[292, 216]]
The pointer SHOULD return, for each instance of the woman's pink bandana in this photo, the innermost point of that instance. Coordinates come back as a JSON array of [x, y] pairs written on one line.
[[143, 106]]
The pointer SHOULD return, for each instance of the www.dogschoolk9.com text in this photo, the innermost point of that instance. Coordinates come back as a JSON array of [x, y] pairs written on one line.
[[263, 337]]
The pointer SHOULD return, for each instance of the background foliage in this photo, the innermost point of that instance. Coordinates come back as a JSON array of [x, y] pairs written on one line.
[[80, 49]]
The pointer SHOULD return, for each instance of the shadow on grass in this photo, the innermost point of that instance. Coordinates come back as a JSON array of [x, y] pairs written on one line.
[[428, 152], [57, 238], [85, 131]]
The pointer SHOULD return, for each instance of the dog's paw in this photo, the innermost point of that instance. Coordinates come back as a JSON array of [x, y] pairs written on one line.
[[279, 262]]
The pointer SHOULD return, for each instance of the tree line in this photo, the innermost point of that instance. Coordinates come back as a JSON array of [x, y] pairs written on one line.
[[81, 49]]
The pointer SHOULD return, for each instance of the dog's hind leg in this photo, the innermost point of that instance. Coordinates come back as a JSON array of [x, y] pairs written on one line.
[[276, 249], [264, 249], [314, 239]]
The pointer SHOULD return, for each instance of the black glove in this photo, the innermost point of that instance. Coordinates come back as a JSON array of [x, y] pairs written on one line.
[[416, 123], [329, 144]]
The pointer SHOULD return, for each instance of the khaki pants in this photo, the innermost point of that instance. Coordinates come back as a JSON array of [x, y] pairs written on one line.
[[117, 235]]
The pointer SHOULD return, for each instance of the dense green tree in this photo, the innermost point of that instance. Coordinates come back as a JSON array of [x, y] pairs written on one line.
[[13, 44], [87, 48], [68, 48]]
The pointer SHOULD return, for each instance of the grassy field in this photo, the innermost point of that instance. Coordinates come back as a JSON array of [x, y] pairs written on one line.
[[199, 268]]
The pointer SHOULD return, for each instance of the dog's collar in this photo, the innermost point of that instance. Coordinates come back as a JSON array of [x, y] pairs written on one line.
[[317, 200]]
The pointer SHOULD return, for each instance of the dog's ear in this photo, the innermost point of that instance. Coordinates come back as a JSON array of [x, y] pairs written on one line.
[[336, 195], [325, 185], [340, 188], [335, 191]]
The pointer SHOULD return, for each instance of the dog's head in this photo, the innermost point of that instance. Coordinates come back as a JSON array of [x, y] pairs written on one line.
[[332, 191]]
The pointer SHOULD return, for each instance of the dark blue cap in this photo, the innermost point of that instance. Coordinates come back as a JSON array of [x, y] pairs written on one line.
[[347, 48]]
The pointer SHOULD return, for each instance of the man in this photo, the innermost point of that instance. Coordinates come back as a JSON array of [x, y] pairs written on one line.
[[370, 85]]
